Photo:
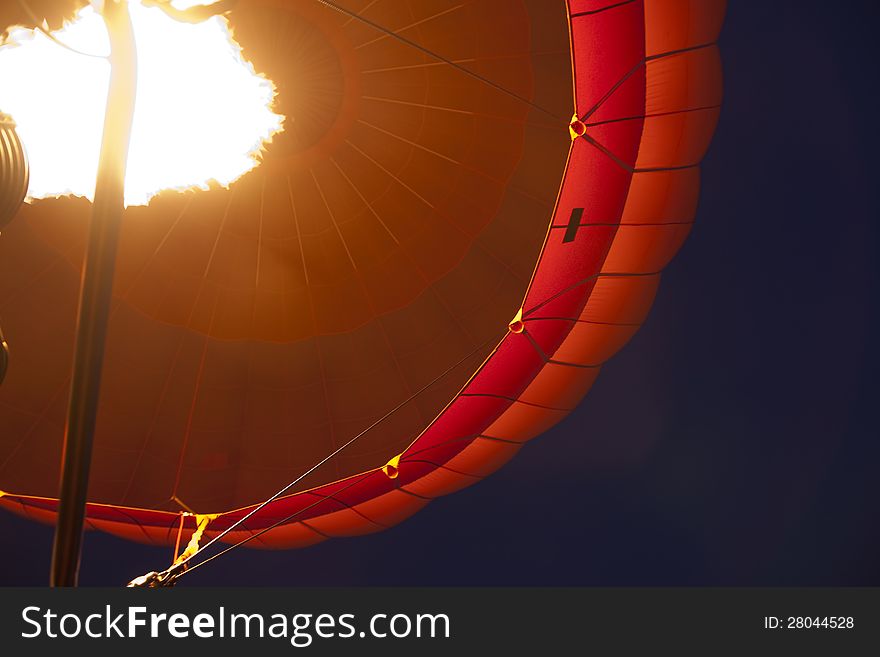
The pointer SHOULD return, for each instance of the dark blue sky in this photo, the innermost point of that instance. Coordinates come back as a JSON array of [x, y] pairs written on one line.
[[735, 441]]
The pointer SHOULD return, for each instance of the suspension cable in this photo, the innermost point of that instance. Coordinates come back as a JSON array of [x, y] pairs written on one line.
[[183, 567], [334, 453], [333, 5], [283, 521], [427, 51]]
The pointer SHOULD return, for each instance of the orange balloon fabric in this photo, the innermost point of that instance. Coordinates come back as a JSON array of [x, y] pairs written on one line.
[[434, 252]]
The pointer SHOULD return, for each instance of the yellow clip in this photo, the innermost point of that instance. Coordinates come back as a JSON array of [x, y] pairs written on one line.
[[577, 128], [193, 546], [516, 324], [392, 468]]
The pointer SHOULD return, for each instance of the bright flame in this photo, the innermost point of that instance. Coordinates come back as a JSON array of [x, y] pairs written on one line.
[[202, 115]]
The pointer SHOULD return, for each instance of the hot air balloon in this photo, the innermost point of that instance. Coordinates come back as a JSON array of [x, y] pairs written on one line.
[[466, 216]]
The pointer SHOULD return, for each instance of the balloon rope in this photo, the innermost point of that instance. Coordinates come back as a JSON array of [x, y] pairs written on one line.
[[445, 60], [283, 521], [339, 449]]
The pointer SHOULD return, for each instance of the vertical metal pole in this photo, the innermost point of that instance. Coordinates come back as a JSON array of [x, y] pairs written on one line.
[[95, 295]]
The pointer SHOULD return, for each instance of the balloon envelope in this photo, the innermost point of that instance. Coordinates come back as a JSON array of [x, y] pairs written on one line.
[[433, 252]]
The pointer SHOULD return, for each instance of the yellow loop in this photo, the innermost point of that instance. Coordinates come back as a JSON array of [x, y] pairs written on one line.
[[193, 546], [516, 324], [392, 468], [576, 128]]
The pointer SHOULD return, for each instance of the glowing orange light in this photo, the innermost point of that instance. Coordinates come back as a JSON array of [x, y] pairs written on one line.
[[203, 114]]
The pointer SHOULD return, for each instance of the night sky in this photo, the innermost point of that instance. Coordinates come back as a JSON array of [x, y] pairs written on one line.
[[735, 440]]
